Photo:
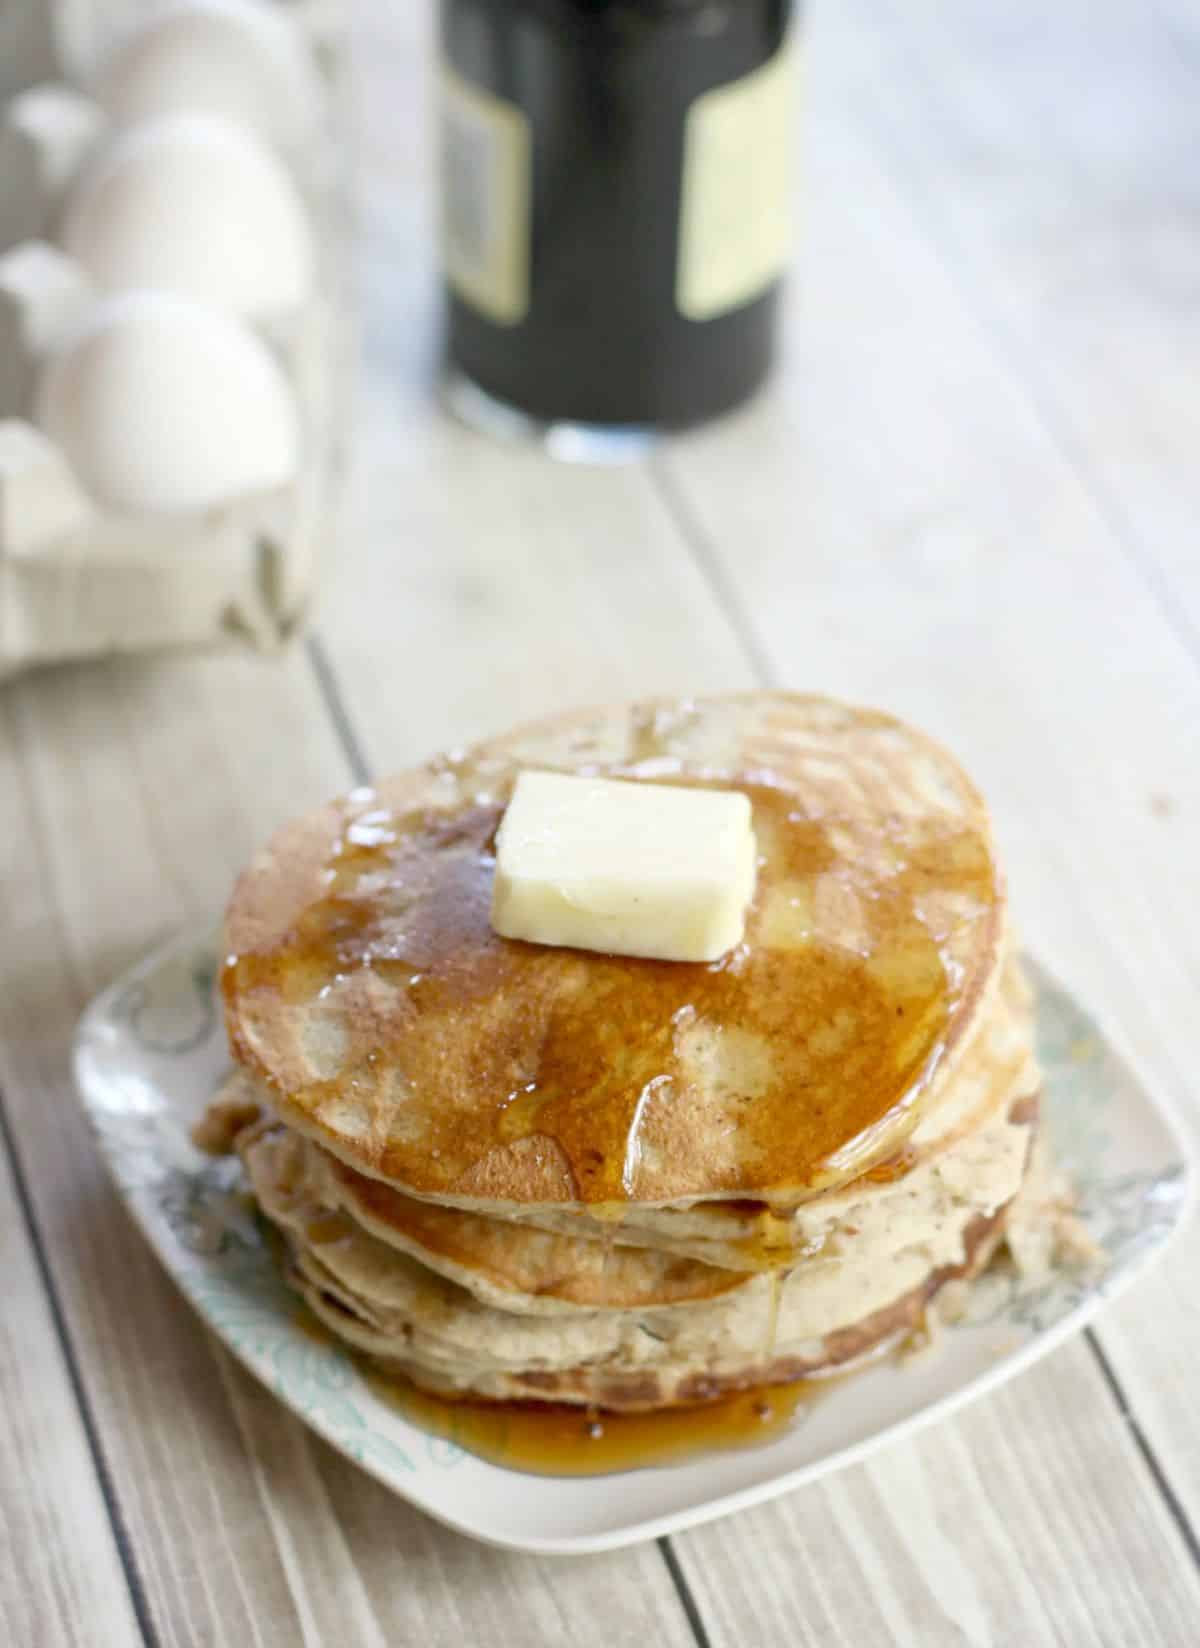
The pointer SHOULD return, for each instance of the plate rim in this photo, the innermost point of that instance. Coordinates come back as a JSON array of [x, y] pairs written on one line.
[[1005, 1368]]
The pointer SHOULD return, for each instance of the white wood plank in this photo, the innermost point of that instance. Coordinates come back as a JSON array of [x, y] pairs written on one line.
[[1052, 152], [50, 1496], [979, 1540], [453, 1591], [117, 809], [502, 588], [129, 797], [1080, 258]]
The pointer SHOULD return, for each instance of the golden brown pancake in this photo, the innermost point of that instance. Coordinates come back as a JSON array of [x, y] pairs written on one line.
[[366, 987], [516, 1267], [769, 1329], [511, 1267], [997, 1070], [620, 1384]]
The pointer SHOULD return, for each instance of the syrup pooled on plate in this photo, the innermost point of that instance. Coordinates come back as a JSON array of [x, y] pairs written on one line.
[[796, 1060], [561, 1440]]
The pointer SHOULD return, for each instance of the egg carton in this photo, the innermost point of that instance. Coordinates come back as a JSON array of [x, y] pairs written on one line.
[[77, 578]]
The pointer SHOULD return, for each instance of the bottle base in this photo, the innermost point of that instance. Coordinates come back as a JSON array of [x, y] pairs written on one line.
[[569, 442]]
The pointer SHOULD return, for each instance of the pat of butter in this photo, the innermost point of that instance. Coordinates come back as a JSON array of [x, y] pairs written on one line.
[[625, 868]]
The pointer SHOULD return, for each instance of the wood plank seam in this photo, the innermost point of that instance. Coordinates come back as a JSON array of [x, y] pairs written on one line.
[[335, 704], [684, 1592], [1169, 1497], [696, 542], [699, 550], [120, 1532]]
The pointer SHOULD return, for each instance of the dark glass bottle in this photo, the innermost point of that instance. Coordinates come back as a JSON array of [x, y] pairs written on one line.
[[615, 198]]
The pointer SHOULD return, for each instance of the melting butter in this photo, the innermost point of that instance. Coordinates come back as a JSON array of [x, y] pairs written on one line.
[[624, 868]]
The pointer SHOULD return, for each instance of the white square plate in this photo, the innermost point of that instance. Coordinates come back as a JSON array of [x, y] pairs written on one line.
[[151, 1050]]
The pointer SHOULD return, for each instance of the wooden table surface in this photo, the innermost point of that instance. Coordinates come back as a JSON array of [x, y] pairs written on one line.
[[972, 496]]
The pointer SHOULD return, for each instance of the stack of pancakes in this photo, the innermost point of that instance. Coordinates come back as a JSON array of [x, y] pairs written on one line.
[[522, 1172]]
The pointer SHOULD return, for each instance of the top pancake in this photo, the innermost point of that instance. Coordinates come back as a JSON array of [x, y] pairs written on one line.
[[364, 983]]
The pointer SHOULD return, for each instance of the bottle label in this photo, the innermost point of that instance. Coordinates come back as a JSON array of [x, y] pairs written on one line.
[[486, 155], [735, 223]]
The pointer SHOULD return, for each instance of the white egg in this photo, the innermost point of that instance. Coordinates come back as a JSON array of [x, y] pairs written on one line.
[[165, 406], [237, 58], [195, 204]]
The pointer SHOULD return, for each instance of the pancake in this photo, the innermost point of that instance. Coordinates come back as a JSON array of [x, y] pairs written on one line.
[[510, 1267], [997, 1071], [519, 1268], [770, 1329], [365, 987], [621, 1383]]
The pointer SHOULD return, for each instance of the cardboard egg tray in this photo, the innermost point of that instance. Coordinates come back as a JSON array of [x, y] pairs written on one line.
[[75, 579]]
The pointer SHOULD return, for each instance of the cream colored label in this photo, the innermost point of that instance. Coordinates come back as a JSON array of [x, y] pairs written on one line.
[[735, 226], [486, 155]]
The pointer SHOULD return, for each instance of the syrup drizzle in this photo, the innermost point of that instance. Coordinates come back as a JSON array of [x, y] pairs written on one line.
[[799, 1058]]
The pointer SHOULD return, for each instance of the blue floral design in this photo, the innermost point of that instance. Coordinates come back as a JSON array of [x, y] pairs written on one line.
[[165, 1020]]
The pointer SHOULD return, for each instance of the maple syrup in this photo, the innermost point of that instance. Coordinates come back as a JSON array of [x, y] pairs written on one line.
[[556, 1439], [892, 1168], [772, 1243], [771, 1334], [598, 1061]]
